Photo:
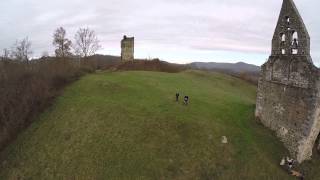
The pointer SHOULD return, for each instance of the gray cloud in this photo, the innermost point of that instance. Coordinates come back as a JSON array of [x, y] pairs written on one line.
[[160, 26]]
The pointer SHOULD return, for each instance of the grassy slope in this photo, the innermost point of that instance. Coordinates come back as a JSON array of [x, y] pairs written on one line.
[[126, 125]]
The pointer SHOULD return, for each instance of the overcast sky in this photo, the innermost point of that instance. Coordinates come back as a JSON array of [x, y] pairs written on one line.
[[175, 30]]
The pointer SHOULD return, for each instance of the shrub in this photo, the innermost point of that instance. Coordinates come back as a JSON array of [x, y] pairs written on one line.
[[27, 88]]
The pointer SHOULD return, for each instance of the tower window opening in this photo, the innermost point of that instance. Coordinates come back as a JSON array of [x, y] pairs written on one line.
[[283, 51], [294, 43], [295, 36], [288, 19], [294, 51], [283, 37]]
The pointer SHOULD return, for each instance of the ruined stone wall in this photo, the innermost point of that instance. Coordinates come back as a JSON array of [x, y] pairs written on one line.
[[288, 99], [288, 102], [127, 49]]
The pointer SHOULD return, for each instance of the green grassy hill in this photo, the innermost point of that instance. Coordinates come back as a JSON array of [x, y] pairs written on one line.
[[127, 125]]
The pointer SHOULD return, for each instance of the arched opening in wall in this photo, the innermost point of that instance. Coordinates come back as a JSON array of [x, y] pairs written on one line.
[[295, 35], [295, 38], [287, 19], [283, 37], [294, 42], [294, 51]]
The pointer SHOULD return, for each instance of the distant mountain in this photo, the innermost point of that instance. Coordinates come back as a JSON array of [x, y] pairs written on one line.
[[239, 67], [105, 61]]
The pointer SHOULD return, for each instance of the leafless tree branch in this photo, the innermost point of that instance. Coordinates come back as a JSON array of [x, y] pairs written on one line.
[[21, 50], [86, 42]]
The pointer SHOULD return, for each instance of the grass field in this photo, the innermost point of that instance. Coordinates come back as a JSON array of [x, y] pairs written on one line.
[[127, 125]]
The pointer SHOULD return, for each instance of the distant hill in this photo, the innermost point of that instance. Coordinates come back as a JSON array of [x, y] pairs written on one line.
[[151, 65], [241, 70], [239, 67], [114, 62], [105, 61]]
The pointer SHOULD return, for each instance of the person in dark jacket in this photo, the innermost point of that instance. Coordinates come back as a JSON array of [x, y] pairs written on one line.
[[177, 97]]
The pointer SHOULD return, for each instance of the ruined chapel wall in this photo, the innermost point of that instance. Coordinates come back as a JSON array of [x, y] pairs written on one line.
[[287, 101], [285, 114]]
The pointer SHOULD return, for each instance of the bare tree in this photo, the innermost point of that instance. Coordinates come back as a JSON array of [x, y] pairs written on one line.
[[5, 55], [63, 44], [86, 42], [21, 50]]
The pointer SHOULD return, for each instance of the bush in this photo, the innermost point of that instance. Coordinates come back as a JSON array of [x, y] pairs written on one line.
[[27, 88]]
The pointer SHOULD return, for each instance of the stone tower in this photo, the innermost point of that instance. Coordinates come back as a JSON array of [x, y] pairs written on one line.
[[288, 99], [127, 49]]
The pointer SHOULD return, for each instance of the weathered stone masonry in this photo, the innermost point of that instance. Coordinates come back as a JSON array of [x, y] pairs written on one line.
[[288, 99], [127, 49]]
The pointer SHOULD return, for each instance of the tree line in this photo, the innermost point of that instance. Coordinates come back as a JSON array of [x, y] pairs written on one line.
[[28, 86], [86, 43]]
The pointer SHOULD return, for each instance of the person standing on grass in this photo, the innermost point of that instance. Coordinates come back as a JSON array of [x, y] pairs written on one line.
[[177, 97], [290, 162], [186, 100]]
